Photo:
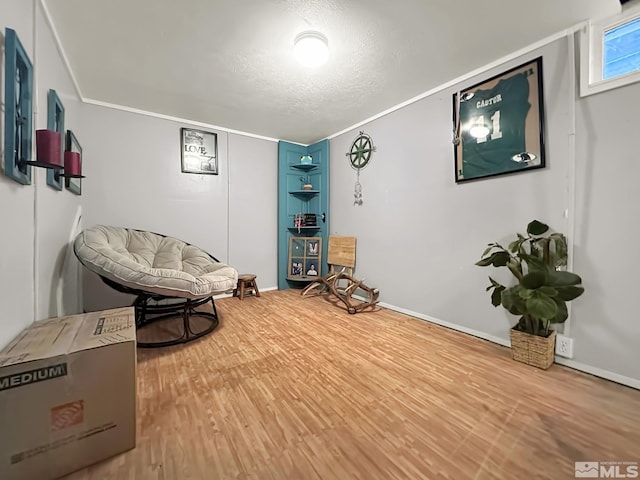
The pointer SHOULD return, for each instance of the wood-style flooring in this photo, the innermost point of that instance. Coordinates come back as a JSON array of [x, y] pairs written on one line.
[[296, 388]]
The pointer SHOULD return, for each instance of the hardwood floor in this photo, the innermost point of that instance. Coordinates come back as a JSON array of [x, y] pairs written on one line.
[[296, 388]]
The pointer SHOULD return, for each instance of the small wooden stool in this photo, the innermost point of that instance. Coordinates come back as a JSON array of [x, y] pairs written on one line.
[[246, 283]]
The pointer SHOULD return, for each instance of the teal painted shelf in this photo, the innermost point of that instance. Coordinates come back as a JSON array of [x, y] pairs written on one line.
[[304, 193], [303, 229], [305, 167]]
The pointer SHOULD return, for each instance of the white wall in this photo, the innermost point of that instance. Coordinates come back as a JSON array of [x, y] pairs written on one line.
[[253, 208], [419, 233], [58, 286], [607, 330], [134, 180], [16, 241], [35, 281]]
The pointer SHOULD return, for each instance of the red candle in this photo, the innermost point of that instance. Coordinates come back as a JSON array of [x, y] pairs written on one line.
[[48, 147], [72, 164]]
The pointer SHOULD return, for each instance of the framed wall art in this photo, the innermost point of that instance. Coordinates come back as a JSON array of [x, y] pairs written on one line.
[[55, 122], [199, 151], [499, 124], [18, 109], [305, 258], [73, 184]]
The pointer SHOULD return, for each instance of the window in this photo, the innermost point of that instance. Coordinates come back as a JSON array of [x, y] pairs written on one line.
[[622, 49], [610, 53]]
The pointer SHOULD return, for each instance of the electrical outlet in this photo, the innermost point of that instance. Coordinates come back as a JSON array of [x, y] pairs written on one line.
[[564, 346]]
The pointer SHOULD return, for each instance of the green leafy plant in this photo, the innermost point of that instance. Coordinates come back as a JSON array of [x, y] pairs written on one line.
[[537, 261]]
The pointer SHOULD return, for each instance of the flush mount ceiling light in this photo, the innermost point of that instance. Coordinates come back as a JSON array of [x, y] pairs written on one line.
[[311, 48]]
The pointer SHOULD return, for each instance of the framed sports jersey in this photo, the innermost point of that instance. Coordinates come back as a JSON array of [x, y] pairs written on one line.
[[499, 124]]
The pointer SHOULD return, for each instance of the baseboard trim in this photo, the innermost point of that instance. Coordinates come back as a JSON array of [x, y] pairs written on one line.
[[598, 372], [230, 294]]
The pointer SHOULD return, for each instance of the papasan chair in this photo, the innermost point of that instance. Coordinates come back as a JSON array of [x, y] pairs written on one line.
[[169, 277]]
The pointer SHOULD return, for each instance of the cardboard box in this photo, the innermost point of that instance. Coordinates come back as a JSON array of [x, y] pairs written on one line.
[[67, 394]]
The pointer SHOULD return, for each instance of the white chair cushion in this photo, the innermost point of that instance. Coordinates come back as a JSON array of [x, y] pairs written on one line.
[[153, 263]]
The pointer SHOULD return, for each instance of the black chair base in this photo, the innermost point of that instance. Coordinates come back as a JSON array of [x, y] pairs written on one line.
[[148, 310]]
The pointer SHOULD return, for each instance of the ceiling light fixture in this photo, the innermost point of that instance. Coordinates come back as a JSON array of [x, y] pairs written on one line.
[[311, 48]]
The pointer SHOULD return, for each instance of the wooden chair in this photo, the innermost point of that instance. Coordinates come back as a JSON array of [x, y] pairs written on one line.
[[341, 257], [341, 254]]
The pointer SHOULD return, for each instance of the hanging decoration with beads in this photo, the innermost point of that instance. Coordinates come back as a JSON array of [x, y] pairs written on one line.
[[359, 156]]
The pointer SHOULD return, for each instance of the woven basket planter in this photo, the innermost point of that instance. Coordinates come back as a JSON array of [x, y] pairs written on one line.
[[532, 349]]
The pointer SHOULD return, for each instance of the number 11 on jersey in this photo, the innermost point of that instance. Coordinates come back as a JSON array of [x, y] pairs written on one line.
[[496, 133]]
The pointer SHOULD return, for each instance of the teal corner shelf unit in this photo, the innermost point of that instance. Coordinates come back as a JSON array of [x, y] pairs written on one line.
[[294, 200]]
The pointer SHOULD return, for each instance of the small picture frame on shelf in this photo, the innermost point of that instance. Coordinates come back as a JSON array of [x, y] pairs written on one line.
[[297, 266], [312, 248], [311, 268]]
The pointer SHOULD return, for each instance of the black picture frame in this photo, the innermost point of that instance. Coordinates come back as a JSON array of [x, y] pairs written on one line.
[[199, 151], [510, 107], [74, 185]]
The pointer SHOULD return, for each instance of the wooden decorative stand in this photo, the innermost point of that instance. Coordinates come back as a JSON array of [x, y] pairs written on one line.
[[330, 283]]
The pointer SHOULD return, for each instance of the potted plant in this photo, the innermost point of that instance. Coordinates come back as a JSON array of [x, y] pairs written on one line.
[[538, 262]]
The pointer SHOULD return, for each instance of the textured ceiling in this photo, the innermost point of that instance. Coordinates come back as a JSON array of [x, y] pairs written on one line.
[[230, 63]]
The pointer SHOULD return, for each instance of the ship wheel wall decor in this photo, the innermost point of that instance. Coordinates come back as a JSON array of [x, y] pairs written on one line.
[[359, 156], [360, 152]]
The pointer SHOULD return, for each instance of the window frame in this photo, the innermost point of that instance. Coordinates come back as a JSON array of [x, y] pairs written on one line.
[[592, 54], [15, 57]]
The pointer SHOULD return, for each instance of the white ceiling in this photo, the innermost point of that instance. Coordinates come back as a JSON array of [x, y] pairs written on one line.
[[230, 63]]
